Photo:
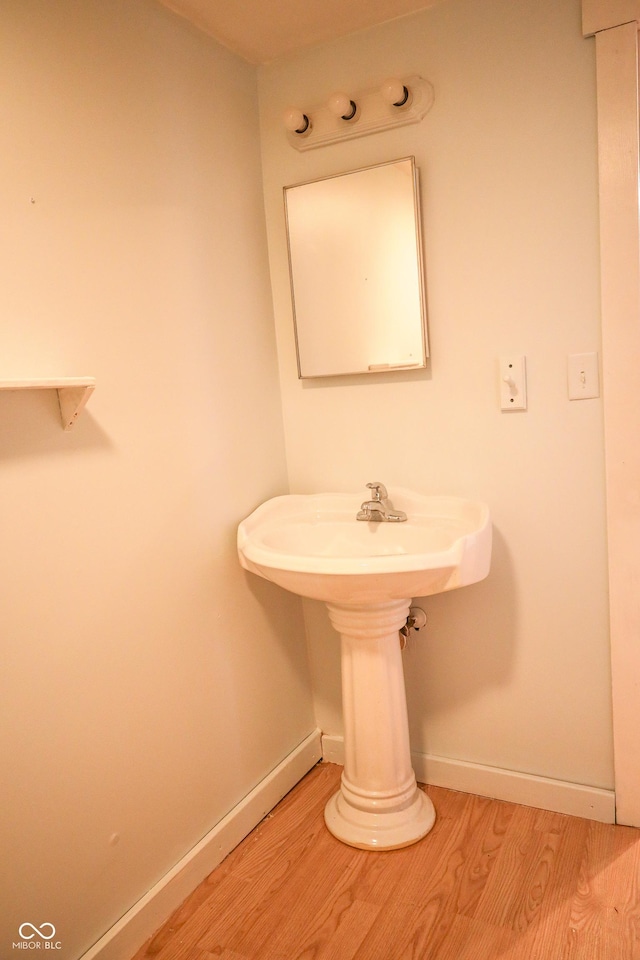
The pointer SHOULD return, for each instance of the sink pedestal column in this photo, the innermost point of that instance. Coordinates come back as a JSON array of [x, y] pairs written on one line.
[[379, 805]]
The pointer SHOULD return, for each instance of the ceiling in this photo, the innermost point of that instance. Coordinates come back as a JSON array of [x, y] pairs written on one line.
[[263, 30]]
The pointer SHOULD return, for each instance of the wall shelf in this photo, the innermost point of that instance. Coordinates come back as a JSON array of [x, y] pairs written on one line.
[[73, 393]]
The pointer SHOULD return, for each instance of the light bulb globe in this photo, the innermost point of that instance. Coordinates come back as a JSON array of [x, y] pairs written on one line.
[[296, 121], [342, 106], [394, 92]]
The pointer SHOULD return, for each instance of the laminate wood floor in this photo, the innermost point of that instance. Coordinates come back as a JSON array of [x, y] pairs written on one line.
[[491, 880]]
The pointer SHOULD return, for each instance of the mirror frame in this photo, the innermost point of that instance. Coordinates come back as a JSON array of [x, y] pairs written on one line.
[[417, 216]]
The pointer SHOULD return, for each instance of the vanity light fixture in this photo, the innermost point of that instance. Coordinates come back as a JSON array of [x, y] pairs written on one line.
[[296, 121], [395, 102], [342, 106]]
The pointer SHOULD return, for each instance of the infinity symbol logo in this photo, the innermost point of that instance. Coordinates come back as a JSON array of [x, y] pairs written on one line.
[[37, 930]]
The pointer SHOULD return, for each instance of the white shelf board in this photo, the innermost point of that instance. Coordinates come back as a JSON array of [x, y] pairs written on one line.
[[73, 393]]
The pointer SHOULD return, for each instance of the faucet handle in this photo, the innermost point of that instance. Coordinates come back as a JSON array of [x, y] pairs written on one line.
[[379, 491]]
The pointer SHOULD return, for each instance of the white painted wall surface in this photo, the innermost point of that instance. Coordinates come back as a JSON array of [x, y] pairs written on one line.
[[513, 672], [147, 682]]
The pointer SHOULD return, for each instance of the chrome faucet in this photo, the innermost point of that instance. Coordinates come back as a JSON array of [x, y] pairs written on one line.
[[376, 510]]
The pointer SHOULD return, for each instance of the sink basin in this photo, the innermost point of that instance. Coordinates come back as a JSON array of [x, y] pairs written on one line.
[[367, 572], [312, 545]]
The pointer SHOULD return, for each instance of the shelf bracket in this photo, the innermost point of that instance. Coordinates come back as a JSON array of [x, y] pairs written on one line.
[[72, 402]]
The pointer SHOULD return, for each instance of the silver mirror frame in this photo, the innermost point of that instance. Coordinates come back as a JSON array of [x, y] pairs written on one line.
[[420, 351]]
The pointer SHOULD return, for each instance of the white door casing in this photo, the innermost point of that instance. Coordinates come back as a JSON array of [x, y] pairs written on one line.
[[615, 25]]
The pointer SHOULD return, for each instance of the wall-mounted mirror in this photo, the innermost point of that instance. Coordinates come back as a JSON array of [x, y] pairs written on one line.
[[355, 258]]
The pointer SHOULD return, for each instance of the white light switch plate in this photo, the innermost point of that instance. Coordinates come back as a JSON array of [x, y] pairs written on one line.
[[513, 383], [583, 376]]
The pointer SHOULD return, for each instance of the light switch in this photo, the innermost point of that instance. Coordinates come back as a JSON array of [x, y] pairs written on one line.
[[513, 383], [583, 376]]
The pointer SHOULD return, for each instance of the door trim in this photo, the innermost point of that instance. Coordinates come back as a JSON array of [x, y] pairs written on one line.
[[619, 164]]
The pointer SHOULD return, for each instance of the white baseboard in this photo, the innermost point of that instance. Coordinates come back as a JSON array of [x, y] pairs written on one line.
[[147, 915], [575, 799]]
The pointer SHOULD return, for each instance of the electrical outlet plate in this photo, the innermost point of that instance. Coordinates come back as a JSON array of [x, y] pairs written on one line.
[[513, 383]]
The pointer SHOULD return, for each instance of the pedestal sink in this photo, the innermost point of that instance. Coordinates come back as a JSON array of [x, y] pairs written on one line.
[[367, 573]]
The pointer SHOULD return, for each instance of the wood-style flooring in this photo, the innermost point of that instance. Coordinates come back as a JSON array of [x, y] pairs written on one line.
[[491, 880]]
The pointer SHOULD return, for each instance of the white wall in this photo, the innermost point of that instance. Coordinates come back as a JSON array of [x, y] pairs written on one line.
[[147, 682], [512, 672]]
